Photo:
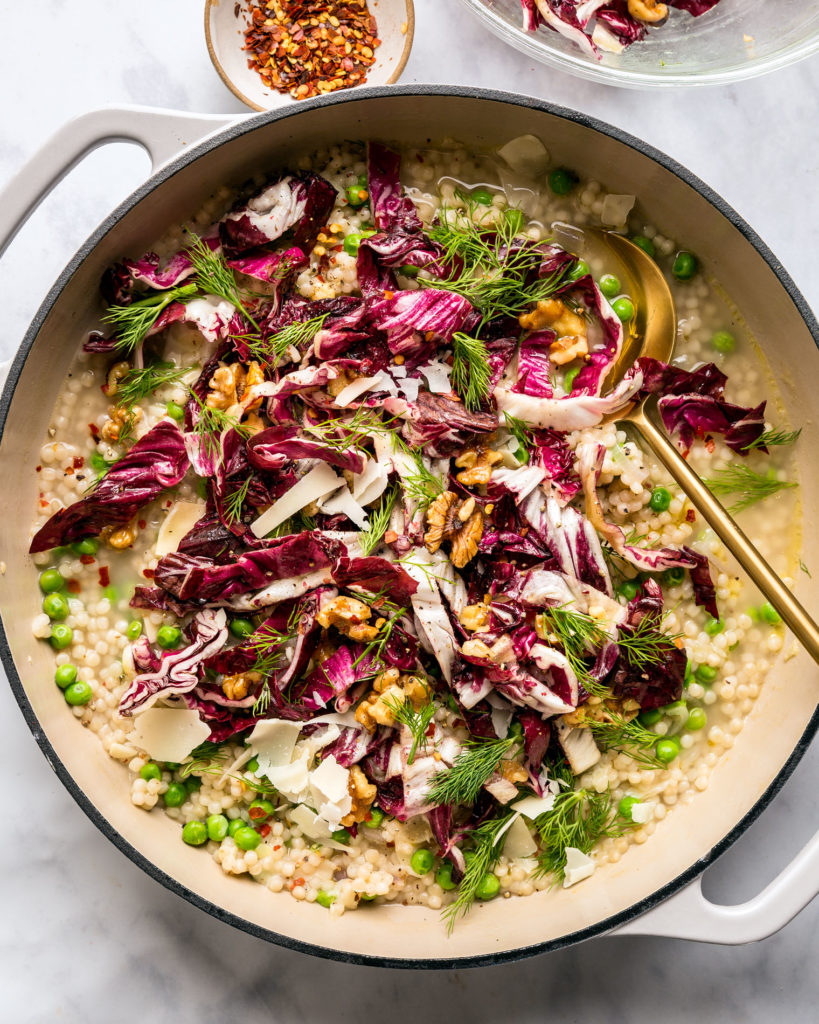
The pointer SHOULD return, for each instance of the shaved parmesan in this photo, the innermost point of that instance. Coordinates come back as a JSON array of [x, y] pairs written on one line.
[[358, 387], [437, 375], [532, 806], [319, 482], [642, 813], [290, 779], [578, 866], [342, 501], [279, 590], [525, 154], [519, 842], [328, 787], [616, 210], [371, 482], [181, 519], [169, 734], [273, 742], [314, 828], [579, 747]]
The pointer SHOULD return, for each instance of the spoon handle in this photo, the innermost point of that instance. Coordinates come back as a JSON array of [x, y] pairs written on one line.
[[767, 581]]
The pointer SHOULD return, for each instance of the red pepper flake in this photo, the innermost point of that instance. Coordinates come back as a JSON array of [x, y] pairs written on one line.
[[105, 576], [38, 469], [148, 574], [78, 462], [296, 882], [264, 831], [95, 431], [73, 586], [141, 524], [87, 559], [709, 444], [278, 846], [691, 516], [310, 47]]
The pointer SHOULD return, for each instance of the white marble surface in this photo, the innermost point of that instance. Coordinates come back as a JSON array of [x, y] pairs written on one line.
[[84, 935]]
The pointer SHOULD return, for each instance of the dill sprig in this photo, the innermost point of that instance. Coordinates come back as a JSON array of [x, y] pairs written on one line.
[[579, 818], [137, 384], [471, 372], [773, 439], [645, 644], [522, 434], [476, 763], [133, 323], [627, 737], [234, 503], [581, 637], [268, 644], [416, 721], [485, 854], [296, 335], [423, 485], [370, 538], [298, 523], [215, 277], [746, 485], [212, 424], [262, 702], [375, 648], [342, 434]]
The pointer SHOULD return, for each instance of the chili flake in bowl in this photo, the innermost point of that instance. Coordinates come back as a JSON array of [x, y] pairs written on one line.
[[274, 52]]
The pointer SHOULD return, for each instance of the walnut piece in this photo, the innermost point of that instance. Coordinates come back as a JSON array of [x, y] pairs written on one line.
[[449, 518], [363, 793], [349, 617], [115, 375], [597, 710], [476, 465], [571, 341], [649, 11], [254, 375], [513, 771], [121, 420], [224, 386], [567, 349], [474, 617], [390, 690], [344, 378], [235, 687], [122, 538]]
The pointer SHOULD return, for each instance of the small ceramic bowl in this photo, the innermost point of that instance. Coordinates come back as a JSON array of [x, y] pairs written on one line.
[[225, 24]]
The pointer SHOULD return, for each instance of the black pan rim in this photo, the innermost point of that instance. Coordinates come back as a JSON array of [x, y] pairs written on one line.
[[167, 171]]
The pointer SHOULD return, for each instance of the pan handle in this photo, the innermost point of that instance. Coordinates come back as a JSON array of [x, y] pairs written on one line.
[[163, 133], [689, 915]]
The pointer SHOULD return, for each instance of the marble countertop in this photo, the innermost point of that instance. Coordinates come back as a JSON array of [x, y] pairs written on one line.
[[84, 934]]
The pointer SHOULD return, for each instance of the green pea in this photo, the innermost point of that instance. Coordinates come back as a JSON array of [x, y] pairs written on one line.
[[569, 378], [696, 719], [217, 826], [705, 674], [516, 219], [247, 838], [65, 675], [252, 765], [407, 270], [685, 265], [666, 750], [51, 580], [235, 825], [78, 693], [375, 818], [488, 887], [769, 614], [325, 899], [55, 606], [645, 244], [366, 898], [673, 577], [61, 636], [515, 731], [723, 341], [168, 637], [625, 806], [241, 627], [580, 269], [149, 771], [421, 861], [714, 626], [175, 411], [650, 717], [192, 783], [628, 589], [623, 308], [261, 810], [689, 673], [660, 499], [443, 877], [175, 795], [134, 630], [89, 546], [342, 836], [562, 181], [482, 196], [610, 286], [356, 195], [195, 833], [353, 241]]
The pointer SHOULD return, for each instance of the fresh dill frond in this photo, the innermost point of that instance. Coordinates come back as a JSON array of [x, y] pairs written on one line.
[[805, 569], [297, 335], [370, 538], [215, 277], [268, 645], [746, 485], [476, 763], [579, 818], [486, 852], [126, 435], [234, 503], [645, 644], [522, 434], [581, 637], [342, 434], [423, 485], [374, 650], [262, 702], [627, 737], [206, 755], [211, 425], [471, 372], [133, 323], [416, 721], [298, 523], [138, 384], [773, 439]]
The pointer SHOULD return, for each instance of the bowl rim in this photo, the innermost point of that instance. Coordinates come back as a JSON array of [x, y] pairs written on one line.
[[235, 131], [237, 92], [535, 45]]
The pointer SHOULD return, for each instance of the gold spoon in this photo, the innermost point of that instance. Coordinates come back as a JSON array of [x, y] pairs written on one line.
[[654, 334]]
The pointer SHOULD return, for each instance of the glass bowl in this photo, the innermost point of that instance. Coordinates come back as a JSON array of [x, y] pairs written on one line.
[[737, 39]]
